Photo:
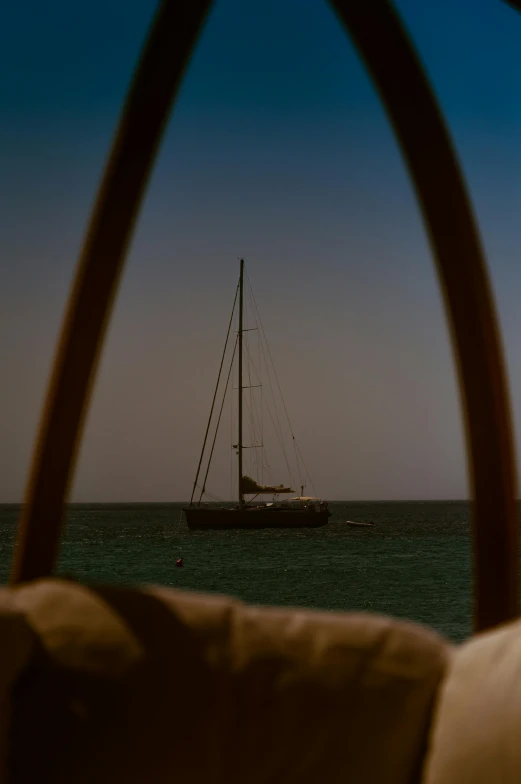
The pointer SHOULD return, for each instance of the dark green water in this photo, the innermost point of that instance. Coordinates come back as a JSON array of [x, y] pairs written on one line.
[[414, 564]]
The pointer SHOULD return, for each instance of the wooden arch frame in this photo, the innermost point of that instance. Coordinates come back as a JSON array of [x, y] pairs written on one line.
[[420, 131]]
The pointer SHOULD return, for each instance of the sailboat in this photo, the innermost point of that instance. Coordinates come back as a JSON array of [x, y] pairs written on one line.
[[249, 511]]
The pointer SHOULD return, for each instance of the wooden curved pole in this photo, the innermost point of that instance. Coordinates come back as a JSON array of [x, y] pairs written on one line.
[[425, 143], [173, 34]]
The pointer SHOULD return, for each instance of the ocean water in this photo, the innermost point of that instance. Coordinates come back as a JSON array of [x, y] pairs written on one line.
[[414, 564]]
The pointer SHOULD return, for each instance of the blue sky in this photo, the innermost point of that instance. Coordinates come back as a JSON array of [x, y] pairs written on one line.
[[278, 150]]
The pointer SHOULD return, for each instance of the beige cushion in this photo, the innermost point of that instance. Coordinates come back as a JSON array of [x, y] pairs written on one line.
[[477, 734], [160, 686], [16, 643]]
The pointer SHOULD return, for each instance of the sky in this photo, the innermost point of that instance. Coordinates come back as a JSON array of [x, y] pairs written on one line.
[[278, 150]]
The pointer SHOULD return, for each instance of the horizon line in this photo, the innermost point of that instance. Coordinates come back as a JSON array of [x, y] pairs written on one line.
[[333, 501]]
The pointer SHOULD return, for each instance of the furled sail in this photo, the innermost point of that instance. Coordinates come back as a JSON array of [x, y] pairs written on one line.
[[250, 486]]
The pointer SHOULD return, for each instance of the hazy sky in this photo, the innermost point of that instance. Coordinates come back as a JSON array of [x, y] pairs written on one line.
[[278, 150]]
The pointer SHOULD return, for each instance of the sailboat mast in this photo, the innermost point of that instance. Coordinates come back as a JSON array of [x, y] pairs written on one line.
[[239, 385]]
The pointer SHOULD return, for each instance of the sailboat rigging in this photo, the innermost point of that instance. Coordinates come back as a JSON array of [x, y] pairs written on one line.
[[296, 512]]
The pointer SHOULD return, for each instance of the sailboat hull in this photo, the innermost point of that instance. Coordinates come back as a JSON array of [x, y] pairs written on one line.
[[201, 517]]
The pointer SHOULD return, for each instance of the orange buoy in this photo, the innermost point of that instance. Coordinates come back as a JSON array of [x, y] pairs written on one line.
[[179, 562]]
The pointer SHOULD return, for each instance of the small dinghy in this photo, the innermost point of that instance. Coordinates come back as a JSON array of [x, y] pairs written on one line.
[[360, 525]]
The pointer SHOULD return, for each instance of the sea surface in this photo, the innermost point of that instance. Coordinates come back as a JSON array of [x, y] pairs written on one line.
[[414, 564]]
